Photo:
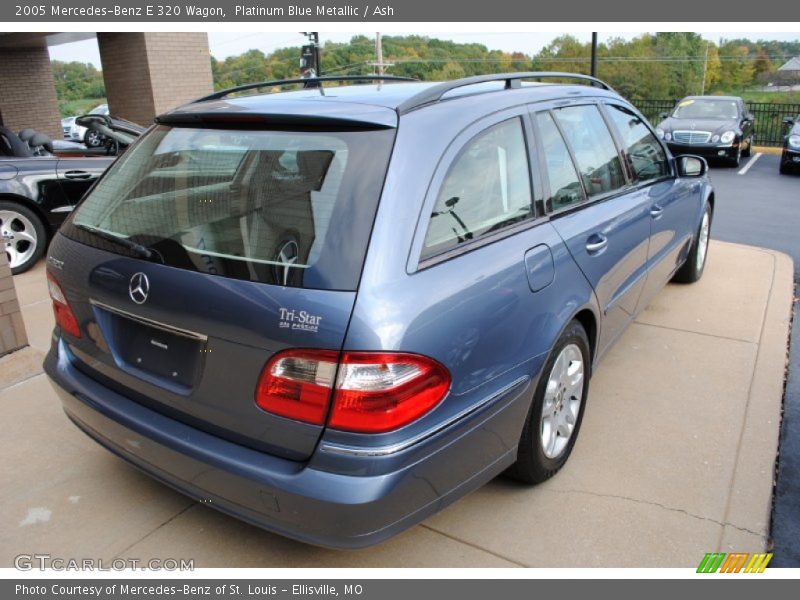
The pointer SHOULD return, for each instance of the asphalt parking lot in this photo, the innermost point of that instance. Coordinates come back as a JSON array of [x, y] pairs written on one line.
[[675, 459], [762, 208]]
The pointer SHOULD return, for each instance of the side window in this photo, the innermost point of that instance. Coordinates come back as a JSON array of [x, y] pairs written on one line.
[[593, 147], [647, 157], [565, 187], [487, 188]]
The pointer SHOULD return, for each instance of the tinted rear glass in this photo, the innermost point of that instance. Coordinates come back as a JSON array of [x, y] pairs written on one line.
[[291, 208]]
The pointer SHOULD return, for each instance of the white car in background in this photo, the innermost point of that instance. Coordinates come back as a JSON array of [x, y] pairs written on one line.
[[75, 133]]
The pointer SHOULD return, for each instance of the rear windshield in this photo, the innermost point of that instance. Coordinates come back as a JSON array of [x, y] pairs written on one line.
[[291, 208]]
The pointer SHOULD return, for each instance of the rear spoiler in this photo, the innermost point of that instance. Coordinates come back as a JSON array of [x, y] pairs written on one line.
[[275, 120]]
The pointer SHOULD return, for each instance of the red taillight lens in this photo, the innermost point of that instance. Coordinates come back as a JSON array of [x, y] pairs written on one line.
[[372, 393], [64, 316], [297, 384], [377, 392]]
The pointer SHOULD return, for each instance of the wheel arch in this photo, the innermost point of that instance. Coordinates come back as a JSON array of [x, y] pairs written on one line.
[[28, 203]]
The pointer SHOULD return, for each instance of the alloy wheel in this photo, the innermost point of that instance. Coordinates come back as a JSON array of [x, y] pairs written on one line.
[[562, 401], [702, 241], [19, 237]]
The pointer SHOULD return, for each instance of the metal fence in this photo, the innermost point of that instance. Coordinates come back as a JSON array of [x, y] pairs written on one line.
[[769, 127]]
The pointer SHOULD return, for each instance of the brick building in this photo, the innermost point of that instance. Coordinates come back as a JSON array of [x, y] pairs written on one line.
[[145, 74]]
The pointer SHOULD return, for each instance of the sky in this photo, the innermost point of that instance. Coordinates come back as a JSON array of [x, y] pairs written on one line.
[[224, 44]]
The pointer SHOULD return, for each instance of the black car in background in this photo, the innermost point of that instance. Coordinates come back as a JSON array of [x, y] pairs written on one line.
[[38, 189], [715, 127], [790, 157]]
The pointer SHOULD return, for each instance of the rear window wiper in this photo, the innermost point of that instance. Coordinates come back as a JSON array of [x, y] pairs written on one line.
[[136, 248]]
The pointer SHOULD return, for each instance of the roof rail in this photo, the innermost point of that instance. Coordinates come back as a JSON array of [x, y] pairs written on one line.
[[308, 81], [434, 94]]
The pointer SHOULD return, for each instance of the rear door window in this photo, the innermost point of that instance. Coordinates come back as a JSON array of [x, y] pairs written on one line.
[[291, 208], [486, 189], [593, 147], [647, 158], [564, 185]]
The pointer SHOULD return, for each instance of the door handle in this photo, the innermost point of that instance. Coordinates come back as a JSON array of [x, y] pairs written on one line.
[[596, 243], [656, 211], [77, 175]]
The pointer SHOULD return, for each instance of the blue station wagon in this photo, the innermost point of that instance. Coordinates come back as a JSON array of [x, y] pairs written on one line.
[[334, 310]]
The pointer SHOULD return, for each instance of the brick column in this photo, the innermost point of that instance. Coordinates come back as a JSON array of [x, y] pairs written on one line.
[[149, 73], [27, 91], [12, 328]]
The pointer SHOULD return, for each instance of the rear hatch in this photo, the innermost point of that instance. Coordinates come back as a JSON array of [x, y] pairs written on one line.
[[205, 250]]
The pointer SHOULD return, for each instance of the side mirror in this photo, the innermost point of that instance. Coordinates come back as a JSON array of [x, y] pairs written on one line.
[[788, 120], [663, 115], [750, 117], [691, 166]]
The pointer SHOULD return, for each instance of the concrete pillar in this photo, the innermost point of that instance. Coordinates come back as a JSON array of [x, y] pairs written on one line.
[[149, 73], [27, 91]]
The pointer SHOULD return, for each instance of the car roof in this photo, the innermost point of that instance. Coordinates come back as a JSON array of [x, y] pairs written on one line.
[[377, 104], [713, 98]]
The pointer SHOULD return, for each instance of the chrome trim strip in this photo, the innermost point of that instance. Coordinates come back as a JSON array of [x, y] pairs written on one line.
[[60, 209], [158, 325], [334, 448]]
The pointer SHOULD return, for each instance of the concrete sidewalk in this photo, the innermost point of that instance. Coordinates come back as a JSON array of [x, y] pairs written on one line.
[[675, 458]]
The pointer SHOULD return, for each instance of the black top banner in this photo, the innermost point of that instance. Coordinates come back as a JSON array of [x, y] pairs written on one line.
[[318, 11]]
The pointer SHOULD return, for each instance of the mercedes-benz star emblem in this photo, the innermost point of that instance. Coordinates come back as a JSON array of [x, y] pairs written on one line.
[[139, 287]]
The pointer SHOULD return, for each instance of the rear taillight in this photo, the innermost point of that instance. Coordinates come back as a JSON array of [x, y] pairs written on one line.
[[297, 384], [64, 316], [372, 392]]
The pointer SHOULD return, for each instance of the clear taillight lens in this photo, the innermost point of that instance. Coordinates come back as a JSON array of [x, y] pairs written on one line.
[[61, 309]]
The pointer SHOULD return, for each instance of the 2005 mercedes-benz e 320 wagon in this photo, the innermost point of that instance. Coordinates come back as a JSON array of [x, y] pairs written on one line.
[[332, 311]]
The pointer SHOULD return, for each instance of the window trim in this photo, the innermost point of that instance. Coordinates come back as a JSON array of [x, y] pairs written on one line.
[[418, 261]]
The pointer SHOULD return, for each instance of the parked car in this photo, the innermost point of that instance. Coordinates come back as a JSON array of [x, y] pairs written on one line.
[[333, 314], [790, 156], [38, 189], [715, 127], [75, 133]]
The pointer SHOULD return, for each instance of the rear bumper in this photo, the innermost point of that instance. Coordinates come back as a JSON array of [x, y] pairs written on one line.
[[290, 498], [709, 151]]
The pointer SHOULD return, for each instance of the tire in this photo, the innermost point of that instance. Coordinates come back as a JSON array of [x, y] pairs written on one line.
[[784, 169], [23, 236], [747, 153], [535, 463], [736, 160], [692, 270], [92, 139]]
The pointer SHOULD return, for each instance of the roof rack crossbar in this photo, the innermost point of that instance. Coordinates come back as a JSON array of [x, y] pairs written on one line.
[[312, 82], [434, 94]]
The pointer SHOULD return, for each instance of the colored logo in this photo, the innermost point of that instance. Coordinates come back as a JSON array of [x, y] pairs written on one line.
[[735, 562]]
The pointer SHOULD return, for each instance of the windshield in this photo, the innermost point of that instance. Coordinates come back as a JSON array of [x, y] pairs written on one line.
[[706, 109], [283, 207]]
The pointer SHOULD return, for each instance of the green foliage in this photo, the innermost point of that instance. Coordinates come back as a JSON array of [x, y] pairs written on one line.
[[660, 65], [76, 81]]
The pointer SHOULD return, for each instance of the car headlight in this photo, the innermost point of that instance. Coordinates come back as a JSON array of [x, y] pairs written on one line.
[[667, 136], [714, 138], [727, 137], [794, 140], [660, 133]]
